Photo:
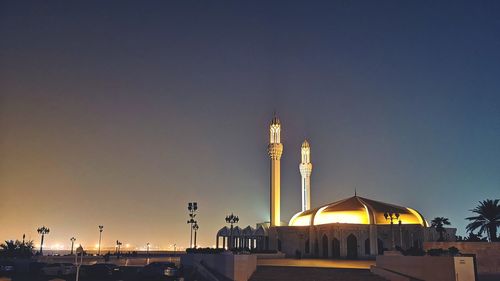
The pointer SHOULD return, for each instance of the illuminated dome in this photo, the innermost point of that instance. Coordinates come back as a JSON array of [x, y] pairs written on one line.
[[356, 210]]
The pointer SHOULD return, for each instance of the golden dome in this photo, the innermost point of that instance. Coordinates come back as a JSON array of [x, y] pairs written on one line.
[[356, 210]]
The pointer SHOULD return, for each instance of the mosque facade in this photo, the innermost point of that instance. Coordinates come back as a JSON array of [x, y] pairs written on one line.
[[354, 227]]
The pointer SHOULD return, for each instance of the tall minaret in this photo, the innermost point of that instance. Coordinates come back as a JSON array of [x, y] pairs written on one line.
[[305, 168], [275, 149]]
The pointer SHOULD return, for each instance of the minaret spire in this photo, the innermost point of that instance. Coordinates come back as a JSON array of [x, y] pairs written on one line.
[[305, 168], [275, 150]]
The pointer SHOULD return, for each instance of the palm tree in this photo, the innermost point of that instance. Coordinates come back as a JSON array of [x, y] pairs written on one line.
[[16, 249], [72, 239], [488, 219], [438, 223], [42, 231], [8, 249]]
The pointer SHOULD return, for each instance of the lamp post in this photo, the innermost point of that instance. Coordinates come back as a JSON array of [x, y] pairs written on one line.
[[79, 251], [72, 239], [195, 228], [42, 231], [100, 236], [400, 222], [118, 244], [147, 249], [391, 216], [231, 219], [192, 208]]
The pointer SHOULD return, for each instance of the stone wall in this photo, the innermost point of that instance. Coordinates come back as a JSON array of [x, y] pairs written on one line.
[[234, 267], [487, 253], [427, 268]]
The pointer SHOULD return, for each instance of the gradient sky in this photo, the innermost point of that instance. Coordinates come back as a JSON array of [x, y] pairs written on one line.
[[119, 113]]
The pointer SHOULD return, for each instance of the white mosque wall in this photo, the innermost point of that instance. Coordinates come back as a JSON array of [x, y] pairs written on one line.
[[348, 240]]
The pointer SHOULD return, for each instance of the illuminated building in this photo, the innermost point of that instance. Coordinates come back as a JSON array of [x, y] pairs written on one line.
[[352, 227]]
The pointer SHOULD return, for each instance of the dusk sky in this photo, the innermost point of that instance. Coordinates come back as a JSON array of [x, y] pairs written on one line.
[[120, 112]]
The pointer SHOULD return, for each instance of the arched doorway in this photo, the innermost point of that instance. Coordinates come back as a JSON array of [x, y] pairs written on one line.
[[335, 248], [367, 246], [325, 246], [352, 247], [380, 247]]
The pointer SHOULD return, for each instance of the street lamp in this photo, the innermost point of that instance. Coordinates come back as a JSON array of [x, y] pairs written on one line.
[[42, 231], [231, 219], [192, 208], [72, 239], [118, 244], [391, 216], [195, 227], [79, 251], [400, 222], [100, 236]]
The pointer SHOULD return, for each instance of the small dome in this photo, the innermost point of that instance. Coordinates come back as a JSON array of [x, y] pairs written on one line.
[[237, 231], [248, 231], [356, 210], [224, 232]]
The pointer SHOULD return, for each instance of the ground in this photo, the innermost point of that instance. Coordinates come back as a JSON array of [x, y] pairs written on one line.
[[347, 264], [288, 273], [314, 270]]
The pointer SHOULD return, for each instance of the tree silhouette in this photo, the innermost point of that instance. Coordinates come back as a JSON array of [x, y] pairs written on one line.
[[438, 223], [16, 249], [487, 220], [42, 231]]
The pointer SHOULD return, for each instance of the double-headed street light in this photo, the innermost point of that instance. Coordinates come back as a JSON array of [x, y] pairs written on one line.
[[392, 217], [192, 208], [231, 219]]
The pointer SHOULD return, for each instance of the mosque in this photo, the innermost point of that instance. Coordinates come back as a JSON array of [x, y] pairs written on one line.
[[349, 228]]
